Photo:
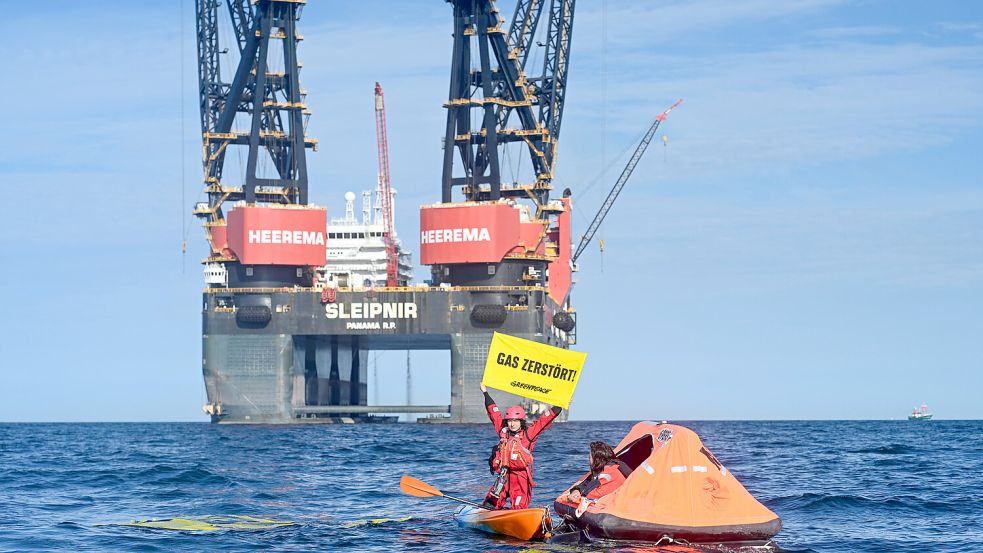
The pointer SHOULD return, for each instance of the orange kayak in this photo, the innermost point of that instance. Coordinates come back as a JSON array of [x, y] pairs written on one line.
[[523, 524]]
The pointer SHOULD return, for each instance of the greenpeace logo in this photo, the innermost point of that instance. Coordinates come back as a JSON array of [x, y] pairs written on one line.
[[530, 387], [305, 237], [439, 236]]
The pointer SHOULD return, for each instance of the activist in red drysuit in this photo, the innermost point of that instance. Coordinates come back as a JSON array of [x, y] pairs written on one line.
[[514, 453], [607, 473]]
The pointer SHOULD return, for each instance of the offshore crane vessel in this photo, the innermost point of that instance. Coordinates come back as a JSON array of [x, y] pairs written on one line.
[[282, 344]]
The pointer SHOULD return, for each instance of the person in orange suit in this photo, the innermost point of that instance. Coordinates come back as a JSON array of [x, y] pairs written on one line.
[[607, 473], [512, 459]]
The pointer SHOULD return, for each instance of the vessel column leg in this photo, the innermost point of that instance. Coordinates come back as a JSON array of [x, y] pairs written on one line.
[[334, 377], [251, 376], [468, 353], [354, 382], [310, 370]]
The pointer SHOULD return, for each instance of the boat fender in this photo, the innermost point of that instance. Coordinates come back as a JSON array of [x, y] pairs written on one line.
[[488, 314], [253, 314], [564, 321]]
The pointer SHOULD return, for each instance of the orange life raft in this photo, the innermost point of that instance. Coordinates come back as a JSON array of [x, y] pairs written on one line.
[[677, 489]]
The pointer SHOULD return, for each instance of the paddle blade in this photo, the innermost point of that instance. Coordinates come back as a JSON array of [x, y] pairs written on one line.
[[418, 488]]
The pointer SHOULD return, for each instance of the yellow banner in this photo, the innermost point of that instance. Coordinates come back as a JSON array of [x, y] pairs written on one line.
[[533, 370]]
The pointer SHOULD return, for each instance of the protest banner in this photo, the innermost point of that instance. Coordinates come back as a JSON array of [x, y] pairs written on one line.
[[533, 370]]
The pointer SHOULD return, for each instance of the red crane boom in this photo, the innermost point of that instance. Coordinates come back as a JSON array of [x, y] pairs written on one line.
[[385, 189]]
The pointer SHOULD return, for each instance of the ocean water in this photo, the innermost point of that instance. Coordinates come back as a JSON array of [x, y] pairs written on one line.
[[858, 486]]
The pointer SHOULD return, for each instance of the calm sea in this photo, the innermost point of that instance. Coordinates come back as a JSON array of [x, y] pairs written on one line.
[[838, 486]]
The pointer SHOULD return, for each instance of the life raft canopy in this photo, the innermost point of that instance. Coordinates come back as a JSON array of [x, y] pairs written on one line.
[[677, 488]]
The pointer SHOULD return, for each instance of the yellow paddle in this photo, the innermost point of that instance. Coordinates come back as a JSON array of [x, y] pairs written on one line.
[[419, 488]]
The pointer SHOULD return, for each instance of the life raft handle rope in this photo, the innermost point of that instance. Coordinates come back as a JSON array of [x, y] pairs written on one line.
[[669, 539], [547, 522]]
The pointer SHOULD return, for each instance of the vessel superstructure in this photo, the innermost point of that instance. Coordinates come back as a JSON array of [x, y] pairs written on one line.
[[289, 314], [356, 249]]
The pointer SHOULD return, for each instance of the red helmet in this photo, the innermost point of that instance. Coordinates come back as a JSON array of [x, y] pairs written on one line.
[[515, 412]]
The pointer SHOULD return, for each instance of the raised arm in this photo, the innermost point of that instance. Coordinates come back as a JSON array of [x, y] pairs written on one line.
[[493, 412], [543, 422]]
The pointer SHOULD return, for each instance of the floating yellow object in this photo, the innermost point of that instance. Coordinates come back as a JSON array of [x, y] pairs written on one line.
[[375, 522], [209, 523]]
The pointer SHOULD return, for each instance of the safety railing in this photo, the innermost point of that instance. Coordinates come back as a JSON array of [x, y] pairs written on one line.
[[307, 289]]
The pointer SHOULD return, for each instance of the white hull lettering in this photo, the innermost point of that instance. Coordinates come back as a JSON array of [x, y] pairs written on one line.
[[277, 236], [370, 325], [370, 310], [443, 235]]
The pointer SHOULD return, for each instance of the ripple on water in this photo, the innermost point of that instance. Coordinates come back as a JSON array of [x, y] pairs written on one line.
[[890, 449], [838, 486]]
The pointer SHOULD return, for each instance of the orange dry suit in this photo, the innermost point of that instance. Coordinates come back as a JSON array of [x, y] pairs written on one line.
[[514, 452], [610, 478]]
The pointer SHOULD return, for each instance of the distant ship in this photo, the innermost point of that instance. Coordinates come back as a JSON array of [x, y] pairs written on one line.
[[920, 414]]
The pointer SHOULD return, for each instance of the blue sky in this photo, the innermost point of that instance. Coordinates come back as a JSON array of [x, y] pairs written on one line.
[[808, 245]]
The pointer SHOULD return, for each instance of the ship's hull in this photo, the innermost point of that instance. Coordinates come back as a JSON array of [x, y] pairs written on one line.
[[280, 355]]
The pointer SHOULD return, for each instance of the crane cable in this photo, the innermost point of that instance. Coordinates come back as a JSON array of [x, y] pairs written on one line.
[[604, 104], [184, 229]]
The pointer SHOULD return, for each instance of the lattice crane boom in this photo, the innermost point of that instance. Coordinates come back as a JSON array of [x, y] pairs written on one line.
[[525, 19], [494, 101], [267, 104], [556, 65], [385, 189], [620, 184]]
